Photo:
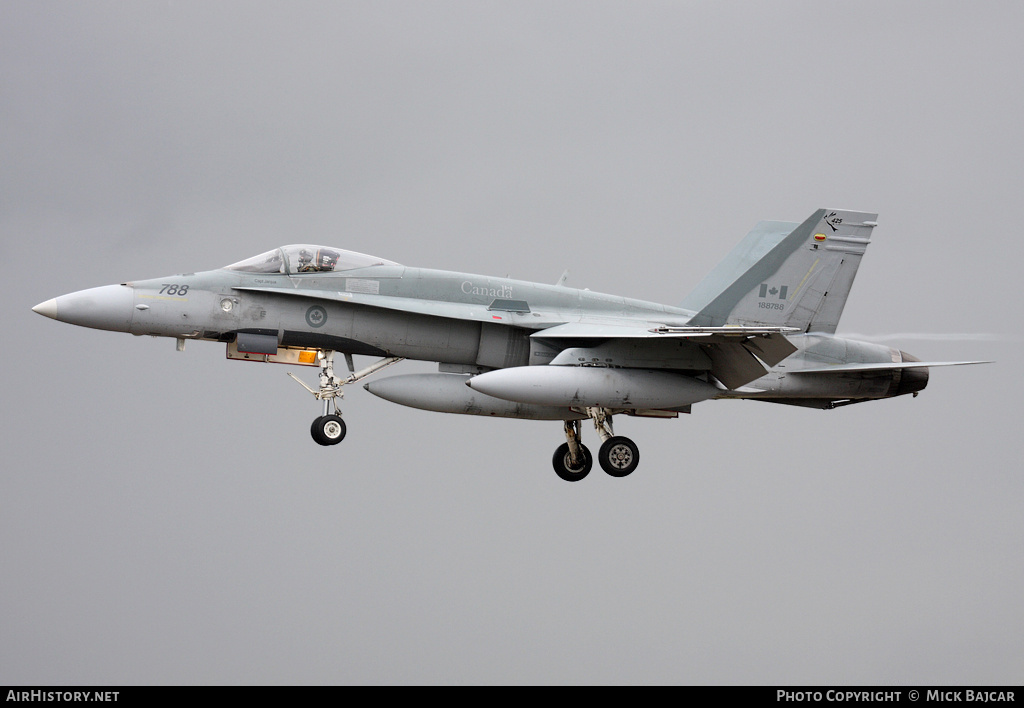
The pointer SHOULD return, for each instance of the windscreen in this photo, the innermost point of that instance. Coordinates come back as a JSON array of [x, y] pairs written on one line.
[[269, 262]]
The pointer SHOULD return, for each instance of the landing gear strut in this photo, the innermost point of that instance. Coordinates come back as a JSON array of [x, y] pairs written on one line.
[[329, 428], [572, 460], [618, 455]]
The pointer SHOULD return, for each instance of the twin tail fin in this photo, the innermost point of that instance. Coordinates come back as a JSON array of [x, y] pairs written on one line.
[[786, 275]]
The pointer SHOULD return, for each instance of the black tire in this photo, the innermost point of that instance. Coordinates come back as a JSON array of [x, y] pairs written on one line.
[[314, 430], [331, 428], [619, 456], [562, 462]]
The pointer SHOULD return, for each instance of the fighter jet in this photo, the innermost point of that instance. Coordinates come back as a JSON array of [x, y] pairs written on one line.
[[760, 326]]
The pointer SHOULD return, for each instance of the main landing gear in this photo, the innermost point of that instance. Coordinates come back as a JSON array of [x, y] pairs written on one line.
[[618, 455], [329, 428]]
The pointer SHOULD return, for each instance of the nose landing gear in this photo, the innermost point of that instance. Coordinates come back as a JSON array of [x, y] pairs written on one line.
[[329, 428]]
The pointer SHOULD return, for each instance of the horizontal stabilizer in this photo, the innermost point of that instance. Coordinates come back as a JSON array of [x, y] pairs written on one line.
[[883, 366]]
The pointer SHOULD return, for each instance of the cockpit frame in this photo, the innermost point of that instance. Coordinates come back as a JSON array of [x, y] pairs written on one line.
[[300, 259]]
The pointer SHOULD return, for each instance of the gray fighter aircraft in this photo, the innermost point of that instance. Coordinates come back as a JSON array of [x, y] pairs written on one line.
[[760, 326]]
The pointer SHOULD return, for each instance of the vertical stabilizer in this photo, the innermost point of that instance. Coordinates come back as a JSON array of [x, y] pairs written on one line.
[[789, 277]]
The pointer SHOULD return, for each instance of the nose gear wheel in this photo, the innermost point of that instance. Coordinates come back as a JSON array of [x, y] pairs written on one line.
[[329, 428]]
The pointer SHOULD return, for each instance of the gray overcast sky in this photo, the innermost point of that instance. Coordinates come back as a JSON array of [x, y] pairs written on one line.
[[165, 518]]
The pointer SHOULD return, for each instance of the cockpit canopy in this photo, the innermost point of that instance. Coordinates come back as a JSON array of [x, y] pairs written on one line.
[[303, 258]]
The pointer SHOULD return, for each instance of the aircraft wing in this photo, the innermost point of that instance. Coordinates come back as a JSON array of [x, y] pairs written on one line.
[[733, 355]]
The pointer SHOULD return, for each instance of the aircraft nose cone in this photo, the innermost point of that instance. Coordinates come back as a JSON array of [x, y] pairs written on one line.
[[108, 307], [47, 309]]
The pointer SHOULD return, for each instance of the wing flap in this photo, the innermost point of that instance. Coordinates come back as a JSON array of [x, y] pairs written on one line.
[[734, 365]]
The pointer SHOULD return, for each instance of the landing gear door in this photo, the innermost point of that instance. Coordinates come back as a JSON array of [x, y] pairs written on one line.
[[284, 355]]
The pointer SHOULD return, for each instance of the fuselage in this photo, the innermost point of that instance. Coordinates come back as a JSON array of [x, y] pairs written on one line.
[[382, 310], [452, 318]]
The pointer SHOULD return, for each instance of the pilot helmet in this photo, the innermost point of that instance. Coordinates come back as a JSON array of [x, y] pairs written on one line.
[[327, 259]]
